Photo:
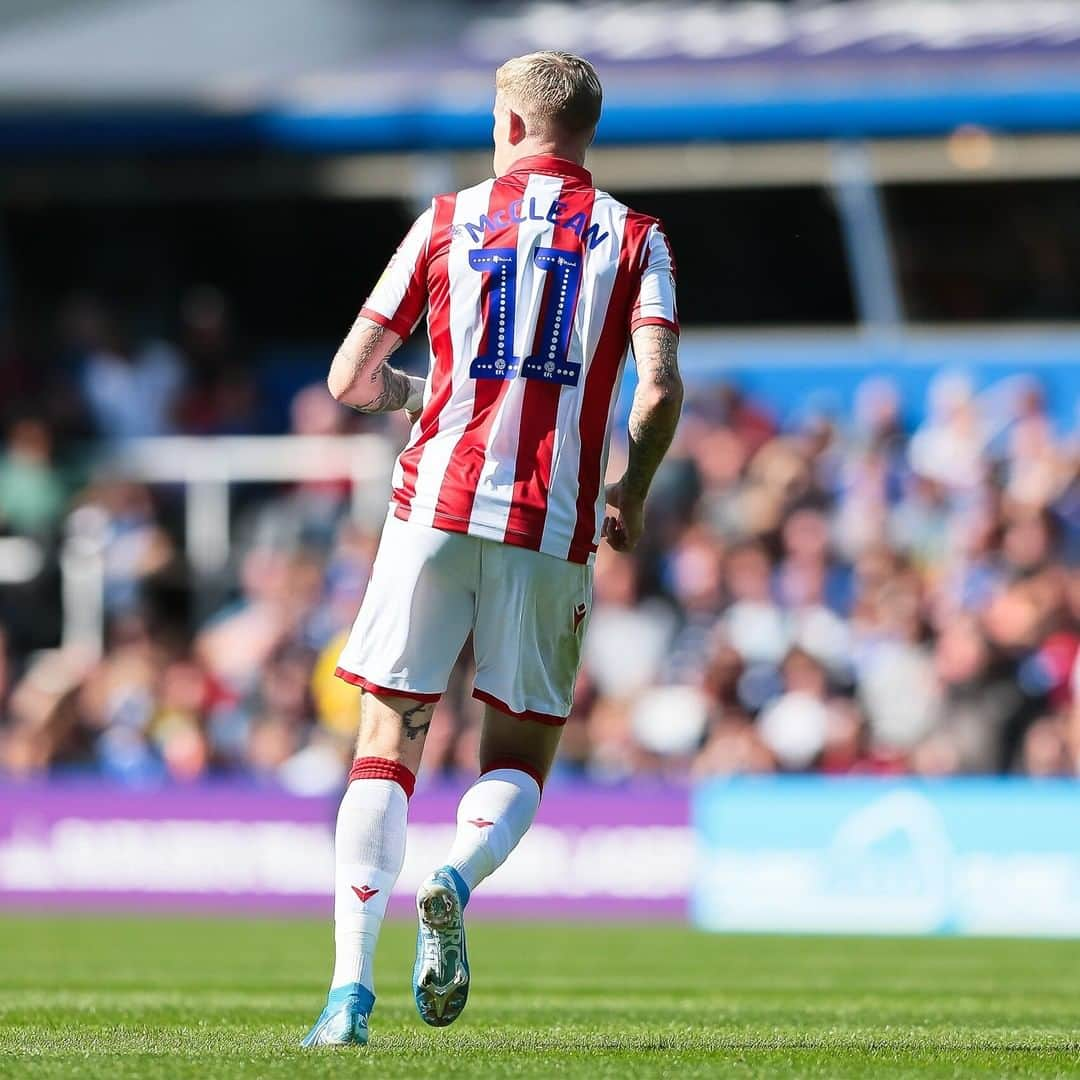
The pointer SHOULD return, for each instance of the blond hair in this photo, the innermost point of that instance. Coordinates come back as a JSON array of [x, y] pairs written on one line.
[[553, 88]]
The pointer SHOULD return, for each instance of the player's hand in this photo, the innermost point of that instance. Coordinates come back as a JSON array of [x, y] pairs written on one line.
[[623, 529], [414, 404]]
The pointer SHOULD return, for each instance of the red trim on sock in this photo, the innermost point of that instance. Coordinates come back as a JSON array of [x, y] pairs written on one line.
[[528, 714], [377, 768], [519, 765], [375, 688]]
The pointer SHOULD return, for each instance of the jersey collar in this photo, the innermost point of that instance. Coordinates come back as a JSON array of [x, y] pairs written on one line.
[[548, 163]]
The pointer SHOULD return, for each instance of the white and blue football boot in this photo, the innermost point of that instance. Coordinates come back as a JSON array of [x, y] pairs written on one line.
[[344, 1021], [441, 971]]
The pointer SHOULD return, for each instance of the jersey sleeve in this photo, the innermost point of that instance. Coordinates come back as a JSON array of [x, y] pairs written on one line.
[[400, 295], [655, 303]]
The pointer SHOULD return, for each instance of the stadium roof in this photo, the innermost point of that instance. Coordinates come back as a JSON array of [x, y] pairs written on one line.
[[329, 75]]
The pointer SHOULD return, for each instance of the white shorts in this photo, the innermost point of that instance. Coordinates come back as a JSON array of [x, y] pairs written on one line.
[[430, 589]]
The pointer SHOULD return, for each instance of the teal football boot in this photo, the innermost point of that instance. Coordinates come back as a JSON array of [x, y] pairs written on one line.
[[344, 1021], [441, 971]]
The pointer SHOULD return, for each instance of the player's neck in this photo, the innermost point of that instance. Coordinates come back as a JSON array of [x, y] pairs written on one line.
[[546, 148]]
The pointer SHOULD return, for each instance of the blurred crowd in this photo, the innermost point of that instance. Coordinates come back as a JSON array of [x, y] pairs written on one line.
[[848, 594]]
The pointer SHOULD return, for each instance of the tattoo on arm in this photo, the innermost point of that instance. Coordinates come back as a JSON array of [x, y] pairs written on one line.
[[363, 359], [416, 721], [657, 404], [393, 393]]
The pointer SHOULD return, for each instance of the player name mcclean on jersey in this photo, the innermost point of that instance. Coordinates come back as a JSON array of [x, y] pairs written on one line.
[[534, 283]]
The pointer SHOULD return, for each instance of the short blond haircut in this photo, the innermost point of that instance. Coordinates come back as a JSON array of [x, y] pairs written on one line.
[[553, 88]]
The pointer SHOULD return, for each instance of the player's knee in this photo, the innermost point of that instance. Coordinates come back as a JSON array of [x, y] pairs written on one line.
[[393, 727], [536, 766], [508, 742]]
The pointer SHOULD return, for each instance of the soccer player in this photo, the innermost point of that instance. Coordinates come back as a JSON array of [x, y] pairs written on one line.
[[535, 284]]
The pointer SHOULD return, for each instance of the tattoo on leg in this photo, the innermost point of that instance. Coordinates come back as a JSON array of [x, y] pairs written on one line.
[[422, 716]]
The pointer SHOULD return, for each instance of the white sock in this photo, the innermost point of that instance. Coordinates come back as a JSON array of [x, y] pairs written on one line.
[[369, 849], [493, 815]]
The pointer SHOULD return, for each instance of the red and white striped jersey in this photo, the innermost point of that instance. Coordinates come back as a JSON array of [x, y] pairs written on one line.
[[533, 283]]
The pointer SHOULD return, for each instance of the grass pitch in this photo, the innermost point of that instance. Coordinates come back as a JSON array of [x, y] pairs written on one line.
[[173, 998]]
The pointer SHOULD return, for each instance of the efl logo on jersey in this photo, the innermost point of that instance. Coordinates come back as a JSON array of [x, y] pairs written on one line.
[[579, 615], [364, 892]]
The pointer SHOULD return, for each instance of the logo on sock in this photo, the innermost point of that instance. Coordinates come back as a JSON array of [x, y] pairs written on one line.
[[579, 615], [480, 823], [364, 892]]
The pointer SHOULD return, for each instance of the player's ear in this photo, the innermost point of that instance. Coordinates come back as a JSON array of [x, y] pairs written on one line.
[[516, 128]]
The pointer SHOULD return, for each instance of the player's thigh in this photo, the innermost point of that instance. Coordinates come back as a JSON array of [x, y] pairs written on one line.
[[417, 612], [532, 611]]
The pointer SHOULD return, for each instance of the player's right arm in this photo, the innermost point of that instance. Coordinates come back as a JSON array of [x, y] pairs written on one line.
[[653, 419], [654, 334], [360, 375]]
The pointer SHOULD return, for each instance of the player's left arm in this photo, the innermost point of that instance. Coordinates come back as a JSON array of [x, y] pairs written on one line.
[[654, 417], [362, 378], [654, 334]]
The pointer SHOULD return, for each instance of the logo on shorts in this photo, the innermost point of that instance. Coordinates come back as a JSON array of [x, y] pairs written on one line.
[[480, 823], [579, 614], [364, 892]]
